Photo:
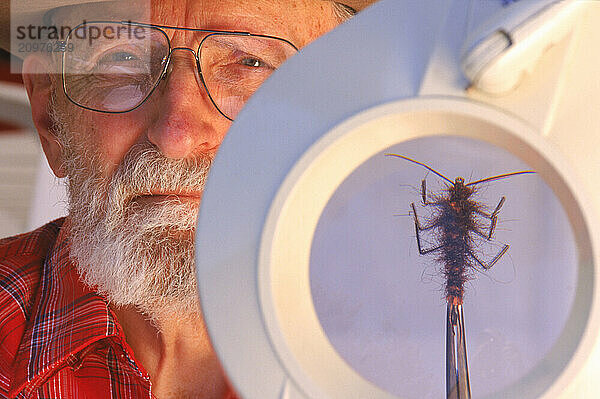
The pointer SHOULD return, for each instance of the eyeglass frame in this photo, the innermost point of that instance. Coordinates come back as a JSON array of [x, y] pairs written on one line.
[[160, 28]]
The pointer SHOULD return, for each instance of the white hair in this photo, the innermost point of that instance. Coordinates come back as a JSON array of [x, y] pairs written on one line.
[[132, 252], [342, 11]]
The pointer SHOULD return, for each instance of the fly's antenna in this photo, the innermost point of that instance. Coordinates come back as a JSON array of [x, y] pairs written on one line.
[[500, 177], [422, 164]]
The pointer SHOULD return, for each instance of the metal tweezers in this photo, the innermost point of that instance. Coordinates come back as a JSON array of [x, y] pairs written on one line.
[[457, 370]]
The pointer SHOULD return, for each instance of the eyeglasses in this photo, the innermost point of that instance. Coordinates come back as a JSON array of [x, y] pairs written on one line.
[[114, 67]]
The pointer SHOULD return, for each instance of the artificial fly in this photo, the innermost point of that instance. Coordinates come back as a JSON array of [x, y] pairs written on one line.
[[457, 221]]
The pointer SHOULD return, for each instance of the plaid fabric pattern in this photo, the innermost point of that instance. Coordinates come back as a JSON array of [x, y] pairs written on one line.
[[59, 339]]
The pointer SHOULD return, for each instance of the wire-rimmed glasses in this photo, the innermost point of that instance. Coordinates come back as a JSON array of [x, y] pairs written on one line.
[[114, 67]]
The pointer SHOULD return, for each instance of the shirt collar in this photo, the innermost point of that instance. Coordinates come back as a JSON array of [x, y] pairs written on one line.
[[67, 317]]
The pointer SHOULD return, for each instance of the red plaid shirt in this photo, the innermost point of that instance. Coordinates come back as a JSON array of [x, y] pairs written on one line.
[[59, 339]]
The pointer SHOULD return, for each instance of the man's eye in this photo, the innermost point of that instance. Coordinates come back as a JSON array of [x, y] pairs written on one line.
[[120, 57], [253, 62], [116, 57]]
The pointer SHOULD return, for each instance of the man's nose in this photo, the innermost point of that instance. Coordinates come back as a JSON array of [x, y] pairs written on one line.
[[185, 120]]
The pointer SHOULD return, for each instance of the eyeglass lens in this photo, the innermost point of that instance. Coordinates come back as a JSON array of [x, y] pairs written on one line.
[[114, 67]]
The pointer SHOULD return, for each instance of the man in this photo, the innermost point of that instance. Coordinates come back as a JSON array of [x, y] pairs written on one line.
[[103, 303]]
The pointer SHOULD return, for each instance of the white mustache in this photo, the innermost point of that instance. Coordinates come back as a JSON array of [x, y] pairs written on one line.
[[145, 171]]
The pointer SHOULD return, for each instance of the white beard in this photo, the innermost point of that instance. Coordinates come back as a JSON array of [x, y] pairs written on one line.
[[134, 254]]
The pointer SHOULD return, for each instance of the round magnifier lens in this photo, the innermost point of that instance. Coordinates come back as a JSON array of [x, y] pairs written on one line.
[[382, 304]]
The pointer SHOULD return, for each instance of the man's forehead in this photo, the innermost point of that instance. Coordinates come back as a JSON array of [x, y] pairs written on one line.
[[259, 16], [101, 10]]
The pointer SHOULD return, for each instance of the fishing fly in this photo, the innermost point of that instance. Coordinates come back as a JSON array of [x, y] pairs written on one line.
[[458, 222]]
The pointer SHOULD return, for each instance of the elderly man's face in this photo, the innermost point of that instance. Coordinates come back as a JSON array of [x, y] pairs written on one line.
[[136, 179], [179, 118]]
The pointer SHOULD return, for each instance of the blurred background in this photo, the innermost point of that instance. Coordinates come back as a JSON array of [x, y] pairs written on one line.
[[29, 194]]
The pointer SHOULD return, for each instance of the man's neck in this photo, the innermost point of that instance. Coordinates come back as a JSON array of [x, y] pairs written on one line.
[[176, 354]]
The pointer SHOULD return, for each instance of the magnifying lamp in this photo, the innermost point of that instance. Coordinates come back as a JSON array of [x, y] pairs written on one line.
[[307, 271]]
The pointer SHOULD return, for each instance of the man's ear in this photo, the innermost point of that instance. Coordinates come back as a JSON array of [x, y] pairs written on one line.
[[39, 85]]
